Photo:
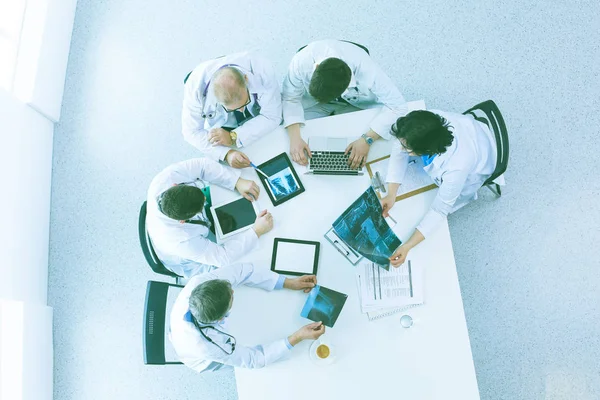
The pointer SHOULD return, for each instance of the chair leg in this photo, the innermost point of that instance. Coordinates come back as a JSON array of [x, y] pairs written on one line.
[[494, 188]]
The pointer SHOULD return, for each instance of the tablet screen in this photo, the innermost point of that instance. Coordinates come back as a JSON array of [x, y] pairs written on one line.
[[235, 215]]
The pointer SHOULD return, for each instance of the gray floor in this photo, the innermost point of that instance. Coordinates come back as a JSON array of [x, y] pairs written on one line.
[[528, 263]]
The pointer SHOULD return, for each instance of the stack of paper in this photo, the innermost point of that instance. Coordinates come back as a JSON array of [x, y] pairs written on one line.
[[386, 292]]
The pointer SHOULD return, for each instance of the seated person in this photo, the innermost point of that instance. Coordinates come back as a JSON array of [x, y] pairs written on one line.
[[230, 102], [199, 318], [459, 154], [331, 77], [178, 224]]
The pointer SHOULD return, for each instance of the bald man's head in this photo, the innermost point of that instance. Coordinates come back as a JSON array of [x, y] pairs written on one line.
[[229, 86]]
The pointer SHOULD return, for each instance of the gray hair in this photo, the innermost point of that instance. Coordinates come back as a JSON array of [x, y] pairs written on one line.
[[210, 301], [229, 85]]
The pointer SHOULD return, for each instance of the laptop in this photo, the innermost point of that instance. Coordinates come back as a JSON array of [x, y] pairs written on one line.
[[328, 156]]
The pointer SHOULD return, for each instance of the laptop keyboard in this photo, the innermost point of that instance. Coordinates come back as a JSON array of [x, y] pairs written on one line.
[[330, 161]]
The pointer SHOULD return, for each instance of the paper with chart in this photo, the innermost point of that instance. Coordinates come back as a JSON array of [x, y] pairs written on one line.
[[381, 289], [415, 178]]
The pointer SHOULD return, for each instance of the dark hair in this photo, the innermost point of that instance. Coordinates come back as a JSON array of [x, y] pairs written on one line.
[[181, 202], [424, 132], [330, 79], [210, 301]]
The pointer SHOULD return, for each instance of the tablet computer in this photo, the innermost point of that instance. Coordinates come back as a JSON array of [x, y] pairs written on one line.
[[233, 217], [283, 182], [295, 257]]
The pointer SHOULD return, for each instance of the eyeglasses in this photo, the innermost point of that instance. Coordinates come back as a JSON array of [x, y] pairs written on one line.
[[236, 109]]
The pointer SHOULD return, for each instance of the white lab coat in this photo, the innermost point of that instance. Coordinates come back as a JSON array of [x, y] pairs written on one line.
[[185, 248], [201, 355], [459, 172], [202, 112], [369, 86]]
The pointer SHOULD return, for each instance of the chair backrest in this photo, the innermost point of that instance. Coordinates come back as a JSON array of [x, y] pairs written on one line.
[[347, 41], [488, 113], [149, 253], [155, 322]]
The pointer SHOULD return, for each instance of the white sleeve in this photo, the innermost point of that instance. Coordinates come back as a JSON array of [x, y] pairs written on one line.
[[293, 90], [203, 251], [394, 105], [450, 189], [246, 274], [192, 124], [254, 356], [398, 163], [270, 111], [207, 170]]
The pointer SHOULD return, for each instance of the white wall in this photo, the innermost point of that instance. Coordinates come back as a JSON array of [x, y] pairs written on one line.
[[26, 165]]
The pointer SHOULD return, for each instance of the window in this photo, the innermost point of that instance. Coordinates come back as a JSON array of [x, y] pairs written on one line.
[[11, 24]]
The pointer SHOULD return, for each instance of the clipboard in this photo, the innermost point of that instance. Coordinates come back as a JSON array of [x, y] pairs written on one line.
[[378, 183]]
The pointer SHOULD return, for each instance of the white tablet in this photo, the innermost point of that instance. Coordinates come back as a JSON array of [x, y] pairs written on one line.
[[233, 217], [295, 257]]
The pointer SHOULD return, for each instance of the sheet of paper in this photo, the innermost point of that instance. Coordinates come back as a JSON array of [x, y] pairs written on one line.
[[295, 257], [383, 289], [415, 177]]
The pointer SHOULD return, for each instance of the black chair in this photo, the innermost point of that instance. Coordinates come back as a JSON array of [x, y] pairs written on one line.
[[155, 318], [489, 114], [347, 41], [149, 253]]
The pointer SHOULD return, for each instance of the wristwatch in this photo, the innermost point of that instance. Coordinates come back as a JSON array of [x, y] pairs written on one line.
[[233, 136], [368, 139]]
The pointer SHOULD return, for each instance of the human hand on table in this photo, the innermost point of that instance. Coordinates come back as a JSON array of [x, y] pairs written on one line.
[[307, 332], [359, 150], [263, 223], [247, 188], [219, 136], [305, 282], [399, 256], [299, 150], [237, 159]]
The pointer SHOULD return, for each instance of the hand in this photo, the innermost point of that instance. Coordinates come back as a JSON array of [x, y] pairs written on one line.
[[263, 223], [359, 149], [237, 159], [299, 150], [311, 331], [387, 203], [248, 189], [305, 282], [399, 256], [219, 136]]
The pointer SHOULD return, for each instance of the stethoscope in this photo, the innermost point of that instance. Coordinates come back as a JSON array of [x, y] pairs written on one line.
[[230, 340], [212, 113]]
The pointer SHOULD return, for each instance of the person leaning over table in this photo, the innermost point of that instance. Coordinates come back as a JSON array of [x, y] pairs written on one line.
[[459, 154], [330, 77], [177, 220], [229, 103], [198, 327]]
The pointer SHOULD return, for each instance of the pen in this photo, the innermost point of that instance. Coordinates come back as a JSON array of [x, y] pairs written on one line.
[[259, 171]]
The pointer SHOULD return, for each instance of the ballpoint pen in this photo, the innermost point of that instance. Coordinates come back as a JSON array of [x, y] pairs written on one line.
[[258, 170]]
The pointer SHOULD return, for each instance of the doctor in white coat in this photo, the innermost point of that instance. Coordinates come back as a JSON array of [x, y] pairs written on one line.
[[198, 327], [229, 103], [330, 77], [459, 154], [177, 220]]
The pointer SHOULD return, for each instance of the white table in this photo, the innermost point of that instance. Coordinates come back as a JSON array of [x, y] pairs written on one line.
[[375, 360]]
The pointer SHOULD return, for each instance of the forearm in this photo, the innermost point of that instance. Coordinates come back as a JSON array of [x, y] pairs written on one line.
[[294, 339], [294, 131], [393, 188], [373, 135], [416, 238]]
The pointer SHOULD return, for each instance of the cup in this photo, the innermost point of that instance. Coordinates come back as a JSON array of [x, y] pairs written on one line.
[[322, 352], [406, 321]]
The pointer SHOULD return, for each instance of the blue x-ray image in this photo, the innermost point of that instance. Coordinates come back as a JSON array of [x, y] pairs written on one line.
[[324, 305], [363, 228], [283, 184]]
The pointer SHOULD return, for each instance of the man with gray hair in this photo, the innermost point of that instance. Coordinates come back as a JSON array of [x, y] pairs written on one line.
[[199, 319], [229, 103]]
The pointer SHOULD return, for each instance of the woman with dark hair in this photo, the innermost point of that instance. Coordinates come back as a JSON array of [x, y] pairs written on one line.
[[457, 152]]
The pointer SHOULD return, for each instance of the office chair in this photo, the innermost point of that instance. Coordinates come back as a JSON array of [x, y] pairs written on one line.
[[149, 253], [347, 41], [155, 322], [489, 114]]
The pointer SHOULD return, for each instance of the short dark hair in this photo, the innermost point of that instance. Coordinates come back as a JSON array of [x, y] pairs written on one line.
[[330, 79], [424, 132], [181, 202], [210, 301]]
